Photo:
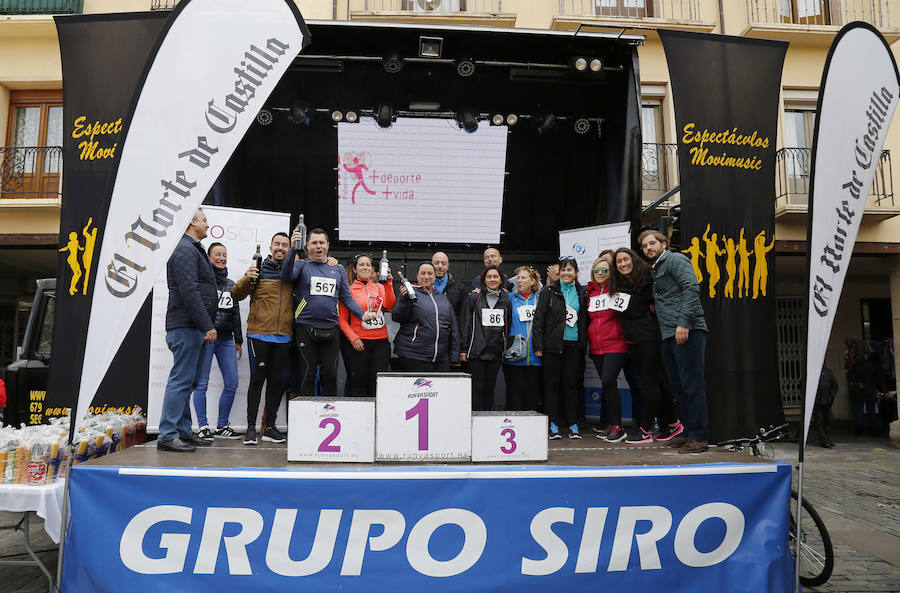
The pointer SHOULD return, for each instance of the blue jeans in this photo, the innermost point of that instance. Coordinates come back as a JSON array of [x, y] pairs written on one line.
[[685, 366], [187, 346], [227, 358]]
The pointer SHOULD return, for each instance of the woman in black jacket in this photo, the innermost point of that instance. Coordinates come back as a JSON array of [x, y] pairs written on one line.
[[560, 338], [485, 329], [226, 348], [428, 338], [634, 302]]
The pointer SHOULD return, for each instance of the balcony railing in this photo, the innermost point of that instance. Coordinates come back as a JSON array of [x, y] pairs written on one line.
[[672, 10], [792, 170], [659, 170], [30, 171], [41, 6], [162, 4], [434, 6], [820, 12]]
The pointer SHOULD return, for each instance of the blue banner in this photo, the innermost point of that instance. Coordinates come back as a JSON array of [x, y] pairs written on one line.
[[718, 527]]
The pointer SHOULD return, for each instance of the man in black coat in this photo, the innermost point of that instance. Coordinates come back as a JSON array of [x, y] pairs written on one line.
[[190, 326], [446, 284]]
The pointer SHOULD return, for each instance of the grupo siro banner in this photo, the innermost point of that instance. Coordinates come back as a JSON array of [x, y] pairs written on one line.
[[718, 527], [240, 231], [726, 118], [214, 65], [857, 100]]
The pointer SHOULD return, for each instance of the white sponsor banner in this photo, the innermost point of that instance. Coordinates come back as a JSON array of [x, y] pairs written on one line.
[[857, 100], [585, 244], [215, 67], [421, 180], [239, 231]]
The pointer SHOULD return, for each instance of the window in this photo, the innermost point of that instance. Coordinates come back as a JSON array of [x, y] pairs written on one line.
[[805, 12], [876, 319], [635, 8], [799, 125], [33, 158]]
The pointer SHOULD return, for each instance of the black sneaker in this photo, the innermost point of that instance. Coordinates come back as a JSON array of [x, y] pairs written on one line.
[[250, 437], [226, 432], [273, 435], [205, 433], [617, 435]]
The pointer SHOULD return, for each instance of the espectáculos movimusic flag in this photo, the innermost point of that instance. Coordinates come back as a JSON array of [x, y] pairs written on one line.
[[857, 98], [215, 64]]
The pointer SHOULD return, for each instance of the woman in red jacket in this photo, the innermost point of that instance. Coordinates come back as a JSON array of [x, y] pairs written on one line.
[[371, 350], [606, 342]]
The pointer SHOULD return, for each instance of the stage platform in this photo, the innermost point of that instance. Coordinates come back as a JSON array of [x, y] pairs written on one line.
[[589, 452]]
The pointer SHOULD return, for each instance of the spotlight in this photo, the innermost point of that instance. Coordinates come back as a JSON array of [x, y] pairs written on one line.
[[392, 62], [430, 47], [336, 115], [512, 119], [596, 65], [352, 117], [579, 64], [544, 122], [467, 120], [582, 126], [300, 113], [264, 117], [384, 115], [497, 119], [599, 128], [465, 67]]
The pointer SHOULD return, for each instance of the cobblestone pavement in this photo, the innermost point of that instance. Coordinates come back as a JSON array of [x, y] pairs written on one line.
[[855, 487]]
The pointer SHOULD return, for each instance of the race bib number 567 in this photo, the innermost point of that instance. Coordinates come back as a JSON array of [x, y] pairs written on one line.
[[322, 286]]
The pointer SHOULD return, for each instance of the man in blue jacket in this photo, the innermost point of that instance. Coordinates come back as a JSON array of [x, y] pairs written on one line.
[[190, 326], [682, 324], [317, 287]]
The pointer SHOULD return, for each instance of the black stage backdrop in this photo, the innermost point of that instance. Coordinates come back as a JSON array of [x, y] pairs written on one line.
[[726, 110]]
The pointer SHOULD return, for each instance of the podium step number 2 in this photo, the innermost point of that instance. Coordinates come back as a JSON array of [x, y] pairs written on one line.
[[337, 429], [423, 417]]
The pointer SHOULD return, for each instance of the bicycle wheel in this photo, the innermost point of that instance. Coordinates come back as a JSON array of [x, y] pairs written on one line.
[[816, 551]]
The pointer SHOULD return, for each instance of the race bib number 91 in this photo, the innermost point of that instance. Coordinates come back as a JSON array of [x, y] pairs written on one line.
[[598, 303], [321, 286]]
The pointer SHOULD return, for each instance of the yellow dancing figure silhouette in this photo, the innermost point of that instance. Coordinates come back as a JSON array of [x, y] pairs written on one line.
[[90, 237], [761, 269], [712, 266], [744, 268], [73, 248], [730, 267], [696, 253]]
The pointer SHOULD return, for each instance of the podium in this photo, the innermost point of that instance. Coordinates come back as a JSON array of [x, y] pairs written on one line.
[[332, 429], [509, 436]]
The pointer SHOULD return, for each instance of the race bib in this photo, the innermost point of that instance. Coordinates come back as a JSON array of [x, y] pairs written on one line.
[[526, 312], [571, 316], [492, 317], [598, 303], [225, 300], [619, 301], [321, 286], [375, 323]]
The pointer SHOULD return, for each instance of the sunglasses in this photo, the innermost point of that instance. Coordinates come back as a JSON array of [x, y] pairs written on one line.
[[600, 270], [566, 258]]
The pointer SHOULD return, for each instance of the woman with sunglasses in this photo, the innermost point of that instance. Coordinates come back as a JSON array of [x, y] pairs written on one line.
[[523, 376], [560, 336], [485, 322], [607, 343], [633, 278], [370, 351]]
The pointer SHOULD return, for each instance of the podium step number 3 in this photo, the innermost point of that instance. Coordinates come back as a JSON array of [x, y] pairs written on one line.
[[509, 436], [423, 417], [338, 429]]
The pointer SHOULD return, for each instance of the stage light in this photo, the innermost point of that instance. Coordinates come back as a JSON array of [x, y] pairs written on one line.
[[430, 47], [582, 126], [384, 115], [497, 119], [579, 64], [465, 67], [352, 117], [600, 128], [596, 65], [544, 122], [467, 120], [512, 119], [336, 115], [392, 62], [301, 113], [264, 117]]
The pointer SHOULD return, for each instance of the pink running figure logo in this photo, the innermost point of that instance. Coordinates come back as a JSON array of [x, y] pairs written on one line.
[[358, 171]]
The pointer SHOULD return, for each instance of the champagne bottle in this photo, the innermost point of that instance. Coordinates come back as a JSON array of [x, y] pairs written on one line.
[[300, 228], [383, 268], [257, 261], [410, 291]]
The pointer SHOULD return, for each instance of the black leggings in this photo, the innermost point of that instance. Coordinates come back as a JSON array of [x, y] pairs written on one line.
[[365, 366], [271, 359], [484, 380], [608, 367], [321, 355], [562, 378], [648, 362], [523, 387]]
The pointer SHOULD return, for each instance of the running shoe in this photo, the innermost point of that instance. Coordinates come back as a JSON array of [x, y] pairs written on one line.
[[250, 437], [273, 435], [226, 432], [573, 432], [617, 435], [640, 437], [670, 431], [205, 434], [554, 432]]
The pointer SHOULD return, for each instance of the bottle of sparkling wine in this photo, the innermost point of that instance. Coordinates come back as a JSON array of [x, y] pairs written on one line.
[[410, 291], [300, 228], [383, 268], [257, 261]]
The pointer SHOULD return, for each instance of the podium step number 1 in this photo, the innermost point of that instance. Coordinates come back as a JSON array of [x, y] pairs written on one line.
[[336, 429], [423, 417]]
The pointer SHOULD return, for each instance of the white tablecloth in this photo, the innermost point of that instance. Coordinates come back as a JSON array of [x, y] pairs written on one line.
[[46, 501]]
